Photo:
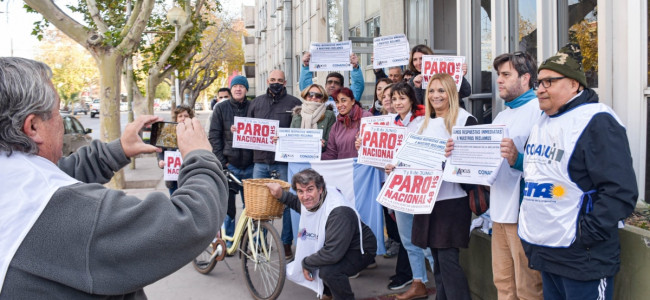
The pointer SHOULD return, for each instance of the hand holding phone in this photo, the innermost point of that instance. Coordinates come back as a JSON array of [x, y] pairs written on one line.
[[163, 135]]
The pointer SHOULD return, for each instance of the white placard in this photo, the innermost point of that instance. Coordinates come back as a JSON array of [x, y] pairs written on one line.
[[434, 64], [298, 145], [383, 120], [255, 134], [390, 51], [421, 151], [412, 191], [173, 162], [379, 144], [476, 157], [330, 56]]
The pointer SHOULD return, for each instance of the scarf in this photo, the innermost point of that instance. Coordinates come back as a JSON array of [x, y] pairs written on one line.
[[419, 111], [353, 116], [522, 99], [311, 113]]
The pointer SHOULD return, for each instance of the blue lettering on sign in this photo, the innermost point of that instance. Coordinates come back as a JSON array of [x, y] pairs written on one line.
[[550, 152], [538, 190]]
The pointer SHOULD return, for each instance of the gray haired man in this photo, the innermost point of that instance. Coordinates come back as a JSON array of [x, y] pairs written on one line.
[[66, 236]]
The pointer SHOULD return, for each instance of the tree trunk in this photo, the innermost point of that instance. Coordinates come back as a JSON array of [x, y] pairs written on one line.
[[110, 68]]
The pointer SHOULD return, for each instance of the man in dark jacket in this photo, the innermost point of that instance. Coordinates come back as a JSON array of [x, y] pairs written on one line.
[[579, 184], [238, 161], [330, 251], [276, 104]]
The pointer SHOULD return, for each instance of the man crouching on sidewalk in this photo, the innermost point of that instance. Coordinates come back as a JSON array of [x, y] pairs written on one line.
[[327, 253]]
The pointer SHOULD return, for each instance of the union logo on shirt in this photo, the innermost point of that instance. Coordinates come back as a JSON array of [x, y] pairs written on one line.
[[543, 190], [304, 235]]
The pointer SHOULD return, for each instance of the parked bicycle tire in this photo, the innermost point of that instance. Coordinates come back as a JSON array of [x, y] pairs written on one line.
[[202, 263], [264, 277]]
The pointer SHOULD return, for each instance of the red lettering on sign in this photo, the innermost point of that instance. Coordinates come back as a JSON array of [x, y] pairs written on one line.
[[240, 126], [397, 180], [366, 138], [443, 67]]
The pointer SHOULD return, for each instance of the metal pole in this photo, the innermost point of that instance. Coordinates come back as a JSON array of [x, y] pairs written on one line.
[[178, 93]]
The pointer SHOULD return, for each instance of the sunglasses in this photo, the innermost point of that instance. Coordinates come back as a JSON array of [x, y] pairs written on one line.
[[333, 82], [315, 95]]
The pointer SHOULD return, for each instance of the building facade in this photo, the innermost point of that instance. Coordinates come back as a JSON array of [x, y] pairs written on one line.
[[613, 34]]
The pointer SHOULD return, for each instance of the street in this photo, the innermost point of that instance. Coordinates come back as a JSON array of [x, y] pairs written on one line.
[[93, 123]]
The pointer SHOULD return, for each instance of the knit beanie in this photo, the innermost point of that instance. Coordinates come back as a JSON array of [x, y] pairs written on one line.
[[568, 62], [239, 80]]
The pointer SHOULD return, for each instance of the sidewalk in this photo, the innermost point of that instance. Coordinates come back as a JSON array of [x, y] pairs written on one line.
[[226, 280]]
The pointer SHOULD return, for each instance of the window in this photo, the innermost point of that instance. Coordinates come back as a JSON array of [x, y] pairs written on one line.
[[335, 20], [523, 26], [372, 31], [481, 61], [577, 23], [417, 20]]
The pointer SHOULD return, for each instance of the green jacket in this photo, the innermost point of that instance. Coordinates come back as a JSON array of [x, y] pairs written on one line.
[[325, 123]]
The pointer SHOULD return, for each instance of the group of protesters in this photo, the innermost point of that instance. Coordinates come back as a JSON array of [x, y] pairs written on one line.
[[539, 250], [555, 212]]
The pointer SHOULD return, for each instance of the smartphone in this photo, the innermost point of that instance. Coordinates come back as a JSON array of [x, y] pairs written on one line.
[[163, 135]]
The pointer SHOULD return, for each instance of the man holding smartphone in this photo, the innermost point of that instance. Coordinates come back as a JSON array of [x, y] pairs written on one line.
[[67, 236], [238, 161]]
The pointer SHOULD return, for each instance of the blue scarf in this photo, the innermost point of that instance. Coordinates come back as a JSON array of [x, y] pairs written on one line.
[[522, 99]]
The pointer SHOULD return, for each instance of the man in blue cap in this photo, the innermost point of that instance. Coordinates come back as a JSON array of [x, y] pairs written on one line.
[[238, 161]]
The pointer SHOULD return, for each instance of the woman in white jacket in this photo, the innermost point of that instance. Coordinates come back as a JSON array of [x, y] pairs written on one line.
[[446, 229]]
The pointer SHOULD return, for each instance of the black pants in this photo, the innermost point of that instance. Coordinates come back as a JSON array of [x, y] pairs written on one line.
[[451, 282], [336, 276], [403, 266]]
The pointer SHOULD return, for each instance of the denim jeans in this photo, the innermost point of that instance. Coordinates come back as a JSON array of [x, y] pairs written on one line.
[[416, 254], [241, 174], [262, 170]]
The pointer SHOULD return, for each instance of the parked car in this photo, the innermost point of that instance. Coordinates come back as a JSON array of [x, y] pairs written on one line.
[[75, 135], [165, 106], [198, 106], [80, 107], [94, 108], [124, 106]]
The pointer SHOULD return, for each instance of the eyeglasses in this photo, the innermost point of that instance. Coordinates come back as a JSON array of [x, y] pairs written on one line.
[[546, 82], [315, 95], [333, 82]]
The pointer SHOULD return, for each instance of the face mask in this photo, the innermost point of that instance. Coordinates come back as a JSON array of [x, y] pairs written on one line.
[[276, 88], [377, 105]]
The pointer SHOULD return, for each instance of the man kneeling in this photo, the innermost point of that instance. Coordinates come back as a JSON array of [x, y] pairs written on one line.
[[327, 252]]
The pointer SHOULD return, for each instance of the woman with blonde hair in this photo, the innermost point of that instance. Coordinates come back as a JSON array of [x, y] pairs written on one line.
[[445, 229], [314, 113]]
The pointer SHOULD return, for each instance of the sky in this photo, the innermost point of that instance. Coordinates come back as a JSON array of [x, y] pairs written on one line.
[[16, 25]]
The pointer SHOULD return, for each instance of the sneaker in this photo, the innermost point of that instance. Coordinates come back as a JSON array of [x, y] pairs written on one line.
[[399, 283], [355, 275], [288, 255], [392, 250], [372, 266]]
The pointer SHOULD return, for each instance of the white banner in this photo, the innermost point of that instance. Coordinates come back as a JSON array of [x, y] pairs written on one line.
[[298, 145], [379, 144], [421, 151], [330, 56], [390, 51], [255, 134], [434, 64], [476, 157], [412, 191], [173, 162]]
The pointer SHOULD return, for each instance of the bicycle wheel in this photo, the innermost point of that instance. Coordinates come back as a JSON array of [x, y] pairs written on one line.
[[202, 263], [263, 261]]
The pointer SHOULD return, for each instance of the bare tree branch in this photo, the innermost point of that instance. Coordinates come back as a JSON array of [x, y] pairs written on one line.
[[52, 13], [97, 18], [134, 35], [134, 16]]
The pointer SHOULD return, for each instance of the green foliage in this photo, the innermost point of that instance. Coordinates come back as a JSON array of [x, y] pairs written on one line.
[[163, 91]]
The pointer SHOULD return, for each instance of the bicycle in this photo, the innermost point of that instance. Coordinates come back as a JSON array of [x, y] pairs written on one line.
[[261, 252]]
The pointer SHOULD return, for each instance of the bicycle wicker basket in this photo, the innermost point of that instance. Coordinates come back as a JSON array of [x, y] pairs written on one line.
[[260, 204]]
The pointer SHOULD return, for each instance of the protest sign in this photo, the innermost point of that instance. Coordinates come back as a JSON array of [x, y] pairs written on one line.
[[412, 191], [379, 144], [419, 151], [383, 120], [255, 134], [476, 157], [173, 162], [434, 64], [298, 145], [330, 56], [390, 51]]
